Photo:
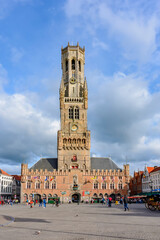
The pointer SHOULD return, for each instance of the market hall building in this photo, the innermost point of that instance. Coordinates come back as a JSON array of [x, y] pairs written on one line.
[[73, 175]]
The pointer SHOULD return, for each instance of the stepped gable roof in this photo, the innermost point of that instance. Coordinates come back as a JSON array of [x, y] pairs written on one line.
[[4, 173], [103, 163], [45, 163]]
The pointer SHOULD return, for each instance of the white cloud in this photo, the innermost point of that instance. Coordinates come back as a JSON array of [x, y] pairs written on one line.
[[100, 44], [16, 54], [134, 29], [26, 133], [124, 118]]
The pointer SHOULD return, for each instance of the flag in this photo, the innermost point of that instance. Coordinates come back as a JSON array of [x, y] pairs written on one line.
[[46, 179], [35, 177], [51, 179], [95, 177]]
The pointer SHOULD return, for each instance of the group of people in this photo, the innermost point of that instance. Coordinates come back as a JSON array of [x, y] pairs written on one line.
[[123, 201], [8, 201]]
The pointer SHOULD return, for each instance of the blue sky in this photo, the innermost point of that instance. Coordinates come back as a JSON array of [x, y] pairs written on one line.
[[122, 67]]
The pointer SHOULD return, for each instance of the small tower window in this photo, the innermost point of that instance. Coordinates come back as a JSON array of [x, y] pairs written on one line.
[[73, 64], [79, 63], [76, 113], [70, 113], [66, 65]]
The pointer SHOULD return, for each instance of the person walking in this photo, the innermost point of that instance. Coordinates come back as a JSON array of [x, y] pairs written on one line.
[[44, 203], [40, 202], [110, 202], [125, 201]]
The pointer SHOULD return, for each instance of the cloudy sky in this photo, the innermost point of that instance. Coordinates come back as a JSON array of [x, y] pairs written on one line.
[[122, 42]]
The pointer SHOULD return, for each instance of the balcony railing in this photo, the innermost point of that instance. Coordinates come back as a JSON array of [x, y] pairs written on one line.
[[73, 99]]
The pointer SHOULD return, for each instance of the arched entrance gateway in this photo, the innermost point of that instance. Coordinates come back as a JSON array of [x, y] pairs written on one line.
[[37, 197], [76, 197]]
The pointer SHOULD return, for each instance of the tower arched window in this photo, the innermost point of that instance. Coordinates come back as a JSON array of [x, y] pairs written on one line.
[[66, 65], [76, 112], [73, 64], [70, 113], [79, 64]]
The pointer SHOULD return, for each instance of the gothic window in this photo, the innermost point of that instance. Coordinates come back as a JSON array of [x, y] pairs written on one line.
[[73, 64], [79, 141], [104, 185], [95, 185], [64, 141], [53, 185], [76, 113], [70, 113], [112, 186], [37, 185], [69, 141], [28, 185], [47, 185], [74, 141], [120, 186], [66, 65], [79, 63], [83, 141]]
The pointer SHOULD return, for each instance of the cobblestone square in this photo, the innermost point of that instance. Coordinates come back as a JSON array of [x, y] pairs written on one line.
[[79, 222]]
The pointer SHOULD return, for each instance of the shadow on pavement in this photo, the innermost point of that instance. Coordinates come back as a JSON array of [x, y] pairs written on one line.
[[30, 220], [82, 234]]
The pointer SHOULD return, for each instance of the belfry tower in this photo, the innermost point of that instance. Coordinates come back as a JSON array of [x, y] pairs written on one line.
[[73, 143]]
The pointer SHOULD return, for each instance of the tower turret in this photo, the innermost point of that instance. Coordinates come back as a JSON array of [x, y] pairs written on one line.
[[73, 138]]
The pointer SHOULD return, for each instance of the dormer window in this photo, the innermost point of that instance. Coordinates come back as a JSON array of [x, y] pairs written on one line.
[[73, 64]]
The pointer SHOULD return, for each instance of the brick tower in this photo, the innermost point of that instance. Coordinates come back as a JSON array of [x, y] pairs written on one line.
[[73, 143]]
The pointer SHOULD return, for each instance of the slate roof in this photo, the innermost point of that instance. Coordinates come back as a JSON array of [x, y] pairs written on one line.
[[45, 163], [96, 163], [103, 163]]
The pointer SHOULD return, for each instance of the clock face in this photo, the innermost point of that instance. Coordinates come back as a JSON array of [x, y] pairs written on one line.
[[73, 80], [74, 127]]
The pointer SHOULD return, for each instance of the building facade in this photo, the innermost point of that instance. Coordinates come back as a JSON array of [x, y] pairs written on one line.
[[155, 178], [146, 180], [135, 185], [74, 175], [5, 185], [16, 187]]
